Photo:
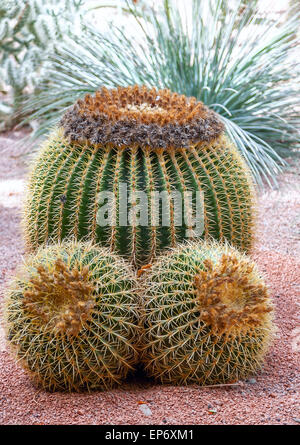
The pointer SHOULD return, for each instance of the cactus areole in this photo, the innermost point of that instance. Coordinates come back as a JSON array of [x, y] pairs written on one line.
[[138, 170]]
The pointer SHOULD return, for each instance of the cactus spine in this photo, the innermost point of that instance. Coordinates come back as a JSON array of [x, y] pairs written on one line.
[[153, 141], [71, 317], [207, 316]]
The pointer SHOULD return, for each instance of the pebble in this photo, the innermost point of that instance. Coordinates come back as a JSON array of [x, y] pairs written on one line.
[[145, 409], [252, 380]]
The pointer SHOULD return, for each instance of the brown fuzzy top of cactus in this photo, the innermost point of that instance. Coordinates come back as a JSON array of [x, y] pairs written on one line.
[[229, 297], [62, 299], [139, 116]]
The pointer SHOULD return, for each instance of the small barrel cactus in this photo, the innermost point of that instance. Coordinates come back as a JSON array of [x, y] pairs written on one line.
[[207, 316], [71, 317], [129, 140]]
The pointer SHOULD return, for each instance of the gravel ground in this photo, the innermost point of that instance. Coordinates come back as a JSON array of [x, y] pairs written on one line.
[[272, 397]]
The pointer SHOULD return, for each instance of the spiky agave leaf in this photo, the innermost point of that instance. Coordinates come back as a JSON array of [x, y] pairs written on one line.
[[241, 65], [207, 316], [71, 317]]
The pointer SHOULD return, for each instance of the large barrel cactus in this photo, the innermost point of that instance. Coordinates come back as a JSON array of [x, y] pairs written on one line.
[[71, 317], [207, 316], [146, 140]]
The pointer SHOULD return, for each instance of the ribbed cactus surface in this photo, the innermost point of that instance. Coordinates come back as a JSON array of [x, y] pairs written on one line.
[[207, 316], [151, 141], [71, 317]]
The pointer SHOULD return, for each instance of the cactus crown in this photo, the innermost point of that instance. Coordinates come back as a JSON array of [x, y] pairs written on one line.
[[230, 300], [61, 297], [141, 117]]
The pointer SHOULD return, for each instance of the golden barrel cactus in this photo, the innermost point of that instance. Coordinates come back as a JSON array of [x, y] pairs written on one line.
[[71, 317], [151, 141], [207, 316]]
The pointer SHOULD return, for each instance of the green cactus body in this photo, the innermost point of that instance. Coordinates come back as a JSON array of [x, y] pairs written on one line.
[[207, 316], [71, 317], [149, 149]]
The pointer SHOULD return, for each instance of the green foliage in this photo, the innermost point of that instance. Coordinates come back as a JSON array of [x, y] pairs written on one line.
[[71, 317], [63, 195], [207, 316], [237, 61], [28, 32]]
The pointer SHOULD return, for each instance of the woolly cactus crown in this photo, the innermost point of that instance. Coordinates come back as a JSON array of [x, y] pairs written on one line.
[[140, 116]]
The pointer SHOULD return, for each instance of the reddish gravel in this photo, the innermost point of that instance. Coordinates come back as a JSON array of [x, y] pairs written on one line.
[[269, 398]]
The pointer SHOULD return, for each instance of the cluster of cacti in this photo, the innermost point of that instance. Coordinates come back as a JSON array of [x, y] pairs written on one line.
[[207, 316], [152, 141], [74, 314], [71, 317]]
